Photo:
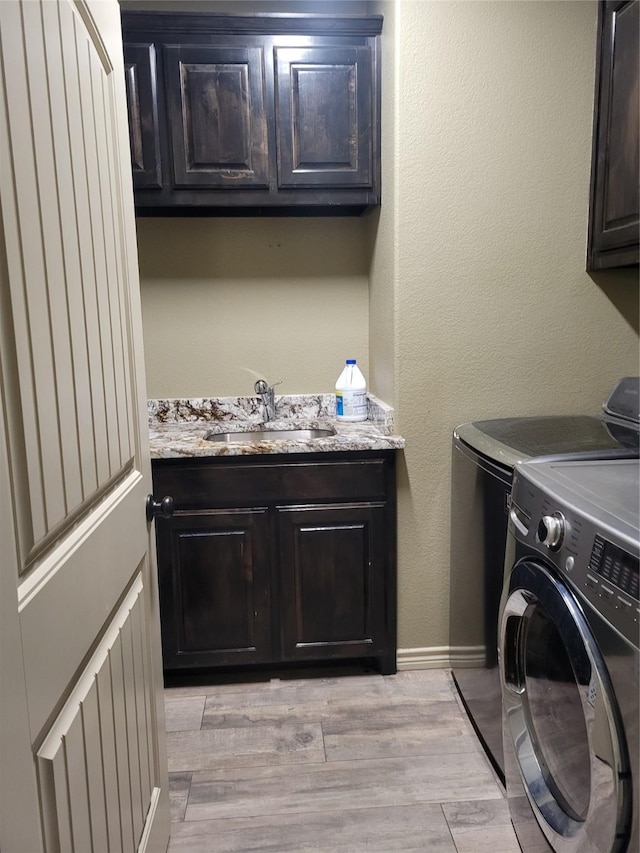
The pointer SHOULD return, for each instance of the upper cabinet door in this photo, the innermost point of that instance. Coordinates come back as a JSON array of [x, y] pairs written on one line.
[[217, 116], [615, 208], [142, 103], [323, 116]]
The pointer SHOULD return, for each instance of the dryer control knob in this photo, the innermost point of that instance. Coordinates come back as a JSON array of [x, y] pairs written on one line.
[[551, 530]]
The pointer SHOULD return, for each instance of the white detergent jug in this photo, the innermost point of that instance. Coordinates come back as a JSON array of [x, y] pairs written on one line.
[[351, 393]]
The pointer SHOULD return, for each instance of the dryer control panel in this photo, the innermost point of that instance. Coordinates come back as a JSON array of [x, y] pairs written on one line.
[[599, 558], [615, 565]]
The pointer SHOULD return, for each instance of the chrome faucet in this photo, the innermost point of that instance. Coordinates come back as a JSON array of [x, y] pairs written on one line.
[[268, 397]]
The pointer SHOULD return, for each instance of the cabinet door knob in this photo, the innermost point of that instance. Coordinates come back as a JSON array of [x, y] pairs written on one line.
[[163, 508]]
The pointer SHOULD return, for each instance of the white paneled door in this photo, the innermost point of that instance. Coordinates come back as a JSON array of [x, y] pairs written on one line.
[[82, 752]]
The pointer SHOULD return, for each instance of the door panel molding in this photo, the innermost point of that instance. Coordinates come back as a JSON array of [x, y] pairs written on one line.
[[72, 348], [99, 543], [70, 766]]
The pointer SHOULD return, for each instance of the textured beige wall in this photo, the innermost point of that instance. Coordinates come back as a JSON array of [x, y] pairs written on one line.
[[494, 313], [477, 303], [382, 229], [287, 298]]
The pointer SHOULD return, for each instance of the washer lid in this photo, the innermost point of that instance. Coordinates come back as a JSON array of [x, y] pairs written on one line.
[[512, 440]]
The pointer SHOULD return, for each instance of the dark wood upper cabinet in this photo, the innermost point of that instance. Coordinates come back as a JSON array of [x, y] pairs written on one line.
[[614, 216], [253, 114], [219, 131], [323, 117], [142, 101]]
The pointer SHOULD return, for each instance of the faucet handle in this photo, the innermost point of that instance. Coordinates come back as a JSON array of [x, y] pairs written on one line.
[[261, 386]]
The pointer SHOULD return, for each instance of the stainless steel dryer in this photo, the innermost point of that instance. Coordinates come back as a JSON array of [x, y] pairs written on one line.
[[483, 458], [570, 654]]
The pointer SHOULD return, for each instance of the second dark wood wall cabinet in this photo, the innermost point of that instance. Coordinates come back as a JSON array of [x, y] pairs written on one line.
[[253, 113], [267, 561], [614, 214]]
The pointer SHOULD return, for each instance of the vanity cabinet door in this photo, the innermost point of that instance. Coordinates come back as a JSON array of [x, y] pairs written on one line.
[[213, 569], [324, 105], [332, 581], [142, 103], [217, 117], [614, 213]]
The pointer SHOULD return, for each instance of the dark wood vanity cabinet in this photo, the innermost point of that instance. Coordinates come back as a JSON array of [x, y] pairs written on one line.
[[214, 587], [273, 562], [614, 213], [332, 571], [267, 113]]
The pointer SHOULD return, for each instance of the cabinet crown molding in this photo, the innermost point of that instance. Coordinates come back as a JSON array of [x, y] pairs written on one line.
[[167, 24]]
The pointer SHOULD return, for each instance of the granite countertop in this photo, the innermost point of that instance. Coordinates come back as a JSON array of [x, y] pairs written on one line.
[[178, 427]]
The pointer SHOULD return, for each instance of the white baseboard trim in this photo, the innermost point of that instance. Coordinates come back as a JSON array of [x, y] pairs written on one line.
[[441, 657]]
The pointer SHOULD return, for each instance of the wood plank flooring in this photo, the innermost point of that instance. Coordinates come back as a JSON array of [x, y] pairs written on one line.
[[349, 763]]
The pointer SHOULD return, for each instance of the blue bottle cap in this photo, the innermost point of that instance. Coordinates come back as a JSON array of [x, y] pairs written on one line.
[[351, 361]]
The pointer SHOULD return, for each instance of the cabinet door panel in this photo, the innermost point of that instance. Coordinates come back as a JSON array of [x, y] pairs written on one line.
[[615, 201], [214, 587], [332, 580], [217, 117], [323, 110], [142, 102]]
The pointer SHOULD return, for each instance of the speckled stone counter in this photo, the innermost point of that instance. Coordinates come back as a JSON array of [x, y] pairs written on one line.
[[178, 428]]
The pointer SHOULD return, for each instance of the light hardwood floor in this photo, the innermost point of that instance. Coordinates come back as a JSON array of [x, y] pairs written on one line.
[[351, 763]]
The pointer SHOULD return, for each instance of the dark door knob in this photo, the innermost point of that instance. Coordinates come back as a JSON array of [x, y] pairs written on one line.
[[163, 508]]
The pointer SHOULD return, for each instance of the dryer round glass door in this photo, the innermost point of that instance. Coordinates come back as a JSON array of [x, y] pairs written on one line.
[[561, 716]]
